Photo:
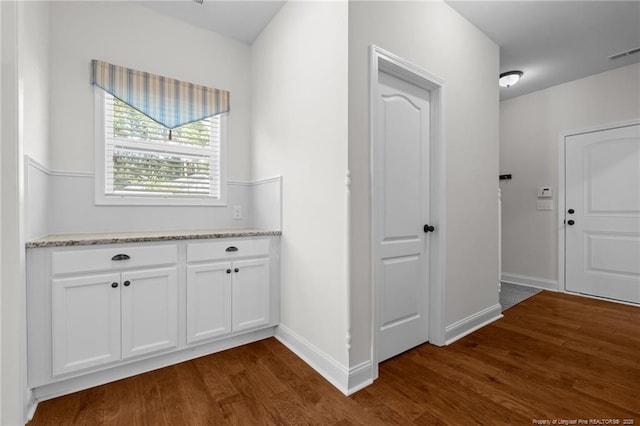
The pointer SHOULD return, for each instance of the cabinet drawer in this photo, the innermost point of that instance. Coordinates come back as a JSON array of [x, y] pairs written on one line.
[[217, 250], [90, 260]]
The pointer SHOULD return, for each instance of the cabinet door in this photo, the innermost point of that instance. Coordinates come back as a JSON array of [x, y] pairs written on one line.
[[86, 322], [208, 301], [149, 311], [250, 294]]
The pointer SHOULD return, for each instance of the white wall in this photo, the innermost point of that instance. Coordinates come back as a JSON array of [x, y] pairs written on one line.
[[299, 83], [530, 126], [35, 80], [12, 253], [437, 39], [35, 83], [2, 119], [137, 37]]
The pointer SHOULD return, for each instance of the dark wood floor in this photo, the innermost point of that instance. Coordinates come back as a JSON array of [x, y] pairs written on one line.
[[553, 357]]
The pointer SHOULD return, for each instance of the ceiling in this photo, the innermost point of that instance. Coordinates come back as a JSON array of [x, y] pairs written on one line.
[[242, 20], [554, 42]]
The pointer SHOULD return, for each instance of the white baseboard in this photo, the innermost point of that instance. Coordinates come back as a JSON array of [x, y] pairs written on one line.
[[32, 404], [360, 377], [335, 373], [526, 281], [346, 380], [604, 299], [468, 325]]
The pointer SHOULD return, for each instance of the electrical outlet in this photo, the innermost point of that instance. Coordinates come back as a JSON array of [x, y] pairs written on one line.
[[544, 205], [237, 212]]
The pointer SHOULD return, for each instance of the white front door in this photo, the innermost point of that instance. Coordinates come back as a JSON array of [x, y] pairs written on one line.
[[401, 211], [602, 215]]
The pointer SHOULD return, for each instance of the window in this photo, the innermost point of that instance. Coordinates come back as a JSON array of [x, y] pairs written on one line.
[[142, 162]]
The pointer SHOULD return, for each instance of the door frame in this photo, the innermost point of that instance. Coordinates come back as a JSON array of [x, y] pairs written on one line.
[[562, 182], [382, 60]]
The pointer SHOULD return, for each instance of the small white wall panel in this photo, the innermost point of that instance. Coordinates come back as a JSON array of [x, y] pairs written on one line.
[[37, 200], [267, 203]]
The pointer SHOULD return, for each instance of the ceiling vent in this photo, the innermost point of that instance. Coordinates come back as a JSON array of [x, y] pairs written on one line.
[[623, 54]]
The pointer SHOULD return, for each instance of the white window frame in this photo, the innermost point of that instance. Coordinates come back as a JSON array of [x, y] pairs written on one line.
[[102, 198]]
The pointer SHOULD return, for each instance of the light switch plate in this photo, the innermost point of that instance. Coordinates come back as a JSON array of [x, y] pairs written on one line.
[[545, 192], [544, 205]]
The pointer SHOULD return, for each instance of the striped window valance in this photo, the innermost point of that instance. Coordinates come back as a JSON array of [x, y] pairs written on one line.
[[170, 102]]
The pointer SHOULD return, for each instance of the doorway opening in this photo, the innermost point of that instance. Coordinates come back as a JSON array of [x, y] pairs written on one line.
[[408, 205], [599, 212]]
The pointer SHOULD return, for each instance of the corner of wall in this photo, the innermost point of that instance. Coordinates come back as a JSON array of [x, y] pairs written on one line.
[[346, 380]]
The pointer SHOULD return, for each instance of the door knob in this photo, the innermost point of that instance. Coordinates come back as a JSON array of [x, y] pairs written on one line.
[[570, 222], [127, 283], [429, 228], [571, 211], [114, 285]]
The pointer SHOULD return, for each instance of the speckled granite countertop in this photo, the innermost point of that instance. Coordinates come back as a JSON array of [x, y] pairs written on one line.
[[63, 240]]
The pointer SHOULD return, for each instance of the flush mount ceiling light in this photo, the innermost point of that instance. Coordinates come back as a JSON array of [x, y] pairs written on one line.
[[509, 78]]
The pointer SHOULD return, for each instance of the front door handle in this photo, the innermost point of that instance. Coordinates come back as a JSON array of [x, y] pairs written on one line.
[[428, 228]]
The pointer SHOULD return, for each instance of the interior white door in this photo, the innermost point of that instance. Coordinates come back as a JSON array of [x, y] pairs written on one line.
[[602, 217], [401, 211]]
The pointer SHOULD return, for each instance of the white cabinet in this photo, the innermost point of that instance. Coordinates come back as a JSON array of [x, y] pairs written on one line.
[[250, 294], [208, 301], [98, 319], [105, 312], [230, 292], [85, 322], [101, 318], [149, 311]]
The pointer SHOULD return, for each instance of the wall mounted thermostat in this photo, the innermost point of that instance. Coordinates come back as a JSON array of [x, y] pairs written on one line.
[[545, 192]]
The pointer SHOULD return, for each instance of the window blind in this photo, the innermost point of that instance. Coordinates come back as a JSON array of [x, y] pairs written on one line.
[[144, 158]]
